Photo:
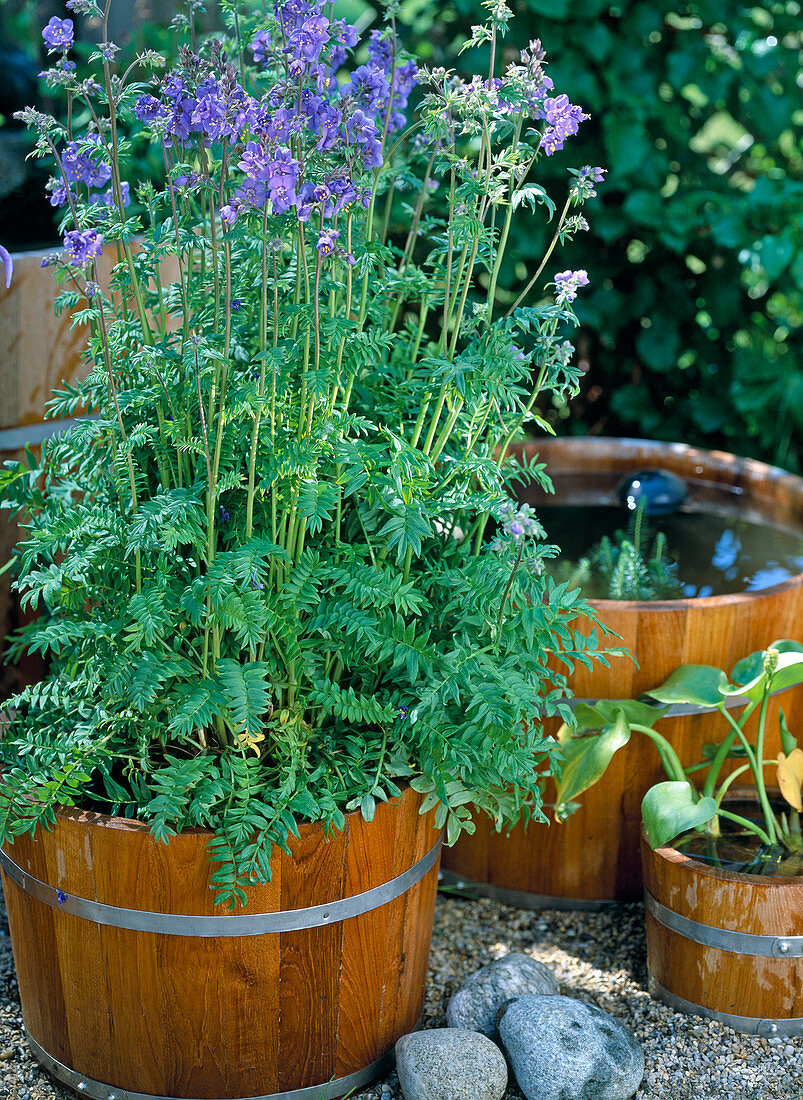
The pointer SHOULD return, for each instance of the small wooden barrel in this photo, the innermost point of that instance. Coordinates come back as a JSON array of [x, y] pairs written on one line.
[[134, 984], [594, 856], [724, 945]]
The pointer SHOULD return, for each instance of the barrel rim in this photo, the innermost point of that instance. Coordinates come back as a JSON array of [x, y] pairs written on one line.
[[746, 467], [83, 816], [671, 855]]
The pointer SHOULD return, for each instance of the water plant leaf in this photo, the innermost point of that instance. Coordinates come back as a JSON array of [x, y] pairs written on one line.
[[790, 778], [788, 739], [585, 760], [788, 673], [603, 713], [752, 666], [702, 685], [671, 808]]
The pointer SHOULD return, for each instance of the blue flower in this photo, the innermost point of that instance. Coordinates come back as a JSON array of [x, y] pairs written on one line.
[[58, 34], [82, 245]]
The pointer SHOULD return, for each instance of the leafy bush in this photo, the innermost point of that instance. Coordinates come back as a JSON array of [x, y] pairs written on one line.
[[279, 571]]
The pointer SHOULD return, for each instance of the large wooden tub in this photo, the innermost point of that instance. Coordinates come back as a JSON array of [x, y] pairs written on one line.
[[132, 982], [594, 856]]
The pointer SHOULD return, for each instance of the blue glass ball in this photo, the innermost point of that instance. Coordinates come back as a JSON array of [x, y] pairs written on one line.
[[663, 490]]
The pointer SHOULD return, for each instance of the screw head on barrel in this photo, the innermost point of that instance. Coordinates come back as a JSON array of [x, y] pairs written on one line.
[[663, 491]]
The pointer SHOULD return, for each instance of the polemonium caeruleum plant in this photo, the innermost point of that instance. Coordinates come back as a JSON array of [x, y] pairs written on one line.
[[280, 571]]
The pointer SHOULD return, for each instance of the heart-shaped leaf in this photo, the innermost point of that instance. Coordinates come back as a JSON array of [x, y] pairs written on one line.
[[585, 760], [790, 777], [702, 685], [672, 808]]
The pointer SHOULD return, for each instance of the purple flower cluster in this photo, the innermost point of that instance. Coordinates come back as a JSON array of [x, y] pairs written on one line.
[[584, 182], [106, 198], [567, 284], [260, 47], [82, 245], [8, 264], [58, 35], [269, 134], [519, 523], [405, 77], [327, 241], [83, 163], [563, 119], [217, 110]]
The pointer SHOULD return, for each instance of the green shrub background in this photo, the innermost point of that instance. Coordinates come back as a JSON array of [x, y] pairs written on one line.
[[690, 327]]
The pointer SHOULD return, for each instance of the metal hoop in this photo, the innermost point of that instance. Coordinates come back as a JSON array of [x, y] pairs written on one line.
[[520, 898], [248, 924], [740, 943], [748, 1025], [97, 1090]]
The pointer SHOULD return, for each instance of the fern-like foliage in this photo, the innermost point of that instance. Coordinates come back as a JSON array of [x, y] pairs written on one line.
[[265, 568]]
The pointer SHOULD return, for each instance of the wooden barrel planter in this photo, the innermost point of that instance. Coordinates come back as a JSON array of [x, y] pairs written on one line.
[[135, 987], [724, 945], [594, 856]]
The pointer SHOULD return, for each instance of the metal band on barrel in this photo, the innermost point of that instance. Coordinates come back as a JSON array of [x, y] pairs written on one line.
[[520, 898], [97, 1090], [748, 1025], [740, 943], [247, 924]]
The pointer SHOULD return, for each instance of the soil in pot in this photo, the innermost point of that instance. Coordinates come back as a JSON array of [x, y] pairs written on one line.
[[594, 856]]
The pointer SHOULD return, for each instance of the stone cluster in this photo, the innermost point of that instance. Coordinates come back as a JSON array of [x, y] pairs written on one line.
[[556, 1048]]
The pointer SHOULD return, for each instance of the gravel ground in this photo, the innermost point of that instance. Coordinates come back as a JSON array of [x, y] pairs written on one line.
[[595, 956]]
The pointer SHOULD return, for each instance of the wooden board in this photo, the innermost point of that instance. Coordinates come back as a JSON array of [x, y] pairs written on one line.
[[224, 1016]]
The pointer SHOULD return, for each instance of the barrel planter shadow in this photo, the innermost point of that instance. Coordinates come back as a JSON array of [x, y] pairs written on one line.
[[134, 985], [594, 856], [724, 945]]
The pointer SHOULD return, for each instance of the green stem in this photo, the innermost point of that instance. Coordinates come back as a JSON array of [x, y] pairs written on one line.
[[761, 786], [722, 755], [543, 263], [751, 826], [132, 479], [669, 758]]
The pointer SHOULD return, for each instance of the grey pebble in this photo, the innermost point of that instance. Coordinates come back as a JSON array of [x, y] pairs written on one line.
[[563, 1049], [450, 1064], [476, 1003]]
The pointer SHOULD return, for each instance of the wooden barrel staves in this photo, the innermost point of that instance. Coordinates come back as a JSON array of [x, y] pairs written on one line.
[[724, 945], [594, 856], [133, 985]]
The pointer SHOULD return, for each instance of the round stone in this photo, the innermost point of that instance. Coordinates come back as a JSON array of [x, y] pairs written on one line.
[[450, 1063], [563, 1049], [664, 491], [476, 1003]]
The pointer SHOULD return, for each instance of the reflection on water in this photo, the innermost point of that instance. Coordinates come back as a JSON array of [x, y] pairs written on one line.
[[740, 851], [716, 551]]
